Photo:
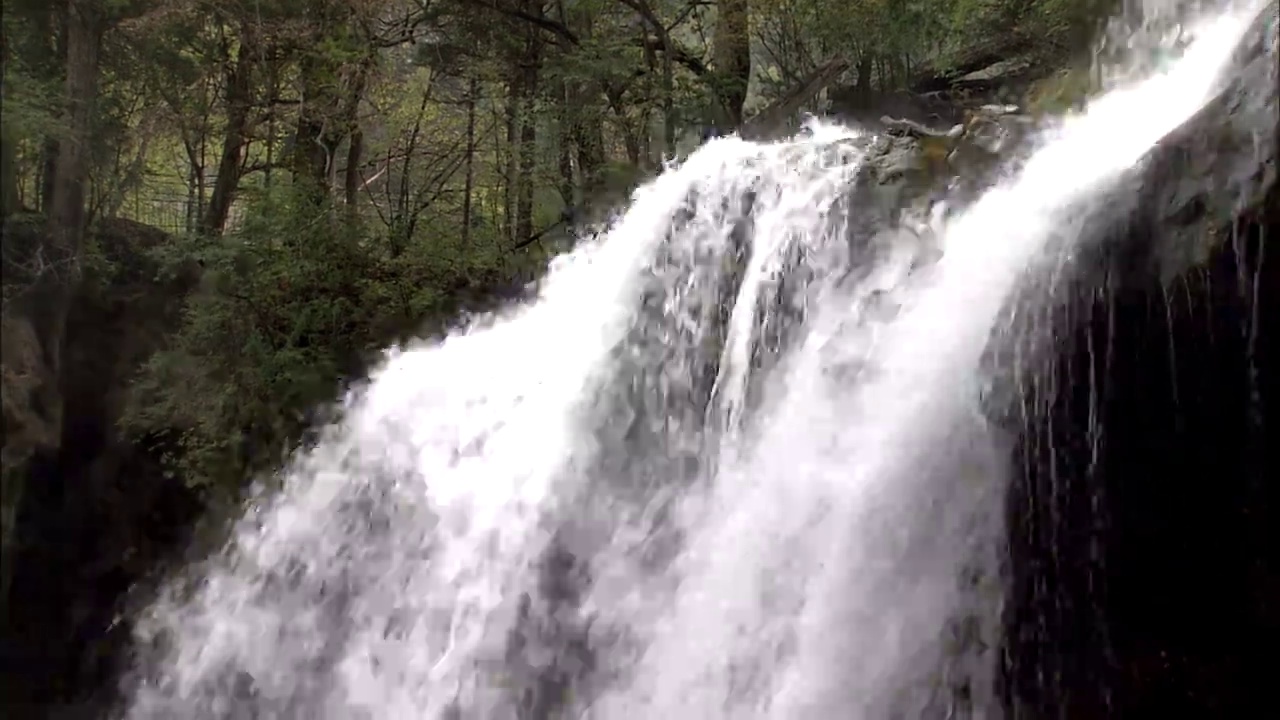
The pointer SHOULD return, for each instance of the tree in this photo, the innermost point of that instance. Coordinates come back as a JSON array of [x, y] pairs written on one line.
[[733, 57]]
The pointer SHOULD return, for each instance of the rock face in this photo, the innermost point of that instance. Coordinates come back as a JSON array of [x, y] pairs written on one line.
[[911, 163], [91, 512], [1143, 580]]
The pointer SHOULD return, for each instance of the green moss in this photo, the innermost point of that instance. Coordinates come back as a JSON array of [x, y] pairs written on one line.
[[1061, 91]]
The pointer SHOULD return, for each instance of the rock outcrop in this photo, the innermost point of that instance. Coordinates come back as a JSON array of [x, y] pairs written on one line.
[[89, 512], [1142, 568]]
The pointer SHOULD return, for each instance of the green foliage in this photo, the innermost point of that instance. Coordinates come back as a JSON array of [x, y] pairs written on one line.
[[30, 103], [899, 35], [258, 341], [291, 305], [301, 288], [1061, 91]]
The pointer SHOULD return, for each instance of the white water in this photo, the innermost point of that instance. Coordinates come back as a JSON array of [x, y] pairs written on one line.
[[780, 543]]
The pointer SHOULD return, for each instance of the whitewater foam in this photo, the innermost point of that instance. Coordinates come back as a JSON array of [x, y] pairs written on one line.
[[816, 544]]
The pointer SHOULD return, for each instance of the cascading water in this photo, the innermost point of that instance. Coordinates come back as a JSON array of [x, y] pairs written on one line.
[[729, 464]]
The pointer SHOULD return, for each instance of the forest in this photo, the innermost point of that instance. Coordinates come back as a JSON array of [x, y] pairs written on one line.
[[217, 212]]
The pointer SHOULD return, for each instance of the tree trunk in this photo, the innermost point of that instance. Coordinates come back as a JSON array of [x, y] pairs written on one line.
[[239, 98], [51, 295], [775, 115], [468, 187], [731, 49], [528, 145], [273, 91], [9, 196], [54, 71], [564, 144], [528, 161], [511, 174], [351, 178], [355, 136], [530, 64], [863, 82]]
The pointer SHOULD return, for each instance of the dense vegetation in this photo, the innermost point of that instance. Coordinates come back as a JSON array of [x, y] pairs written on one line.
[[333, 175], [348, 171]]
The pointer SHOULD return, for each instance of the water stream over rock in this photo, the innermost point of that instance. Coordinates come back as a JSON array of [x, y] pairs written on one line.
[[736, 460]]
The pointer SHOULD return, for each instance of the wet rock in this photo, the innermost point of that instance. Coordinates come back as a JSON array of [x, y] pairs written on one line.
[[1136, 589], [909, 128], [910, 163], [998, 72], [1220, 165], [936, 108]]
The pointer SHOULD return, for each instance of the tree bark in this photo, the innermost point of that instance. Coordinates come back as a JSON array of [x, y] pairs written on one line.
[[511, 173], [50, 297], [731, 49], [9, 198], [55, 69], [468, 187], [530, 65], [235, 137], [564, 126], [355, 136]]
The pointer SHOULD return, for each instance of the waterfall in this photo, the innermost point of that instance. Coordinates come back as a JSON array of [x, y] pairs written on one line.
[[731, 462]]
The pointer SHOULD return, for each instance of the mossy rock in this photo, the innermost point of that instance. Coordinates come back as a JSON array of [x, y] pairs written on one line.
[[1066, 89]]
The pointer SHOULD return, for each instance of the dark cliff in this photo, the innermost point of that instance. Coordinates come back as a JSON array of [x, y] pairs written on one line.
[[1141, 553], [92, 511]]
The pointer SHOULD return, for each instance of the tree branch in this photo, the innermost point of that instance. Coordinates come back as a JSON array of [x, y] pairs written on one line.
[[772, 117], [537, 236], [552, 26]]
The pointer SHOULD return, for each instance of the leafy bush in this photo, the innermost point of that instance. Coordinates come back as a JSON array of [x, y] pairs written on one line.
[[291, 305]]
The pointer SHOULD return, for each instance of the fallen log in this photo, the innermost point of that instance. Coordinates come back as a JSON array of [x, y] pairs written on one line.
[[773, 118]]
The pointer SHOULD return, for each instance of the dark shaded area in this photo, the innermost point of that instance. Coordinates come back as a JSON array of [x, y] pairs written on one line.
[[1140, 569], [101, 514], [62, 635], [1141, 565], [97, 513], [1143, 580]]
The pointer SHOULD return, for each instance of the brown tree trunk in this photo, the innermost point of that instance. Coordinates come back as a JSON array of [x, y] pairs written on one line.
[[351, 178], [54, 71], [511, 174], [863, 82], [273, 91], [528, 141], [49, 153], [468, 187], [564, 146], [51, 295], [355, 136], [530, 64], [9, 196], [732, 53], [773, 117], [239, 99]]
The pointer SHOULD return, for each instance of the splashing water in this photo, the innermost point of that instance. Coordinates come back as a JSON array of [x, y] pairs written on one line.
[[711, 472]]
